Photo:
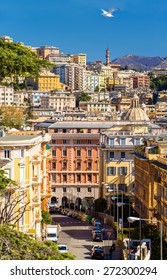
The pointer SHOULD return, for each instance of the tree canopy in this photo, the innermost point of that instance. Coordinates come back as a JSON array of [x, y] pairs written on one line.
[[15, 245], [5, 181], [12, 116], [17, 60], [84, 97], [159, 83]]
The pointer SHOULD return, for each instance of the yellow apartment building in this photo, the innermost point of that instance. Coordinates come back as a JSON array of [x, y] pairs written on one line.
[[79, 59], [24, 156], [46, 81], [116, 156], [151, 181]]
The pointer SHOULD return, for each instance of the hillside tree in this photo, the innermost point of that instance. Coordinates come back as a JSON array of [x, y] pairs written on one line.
[[12, 116], [18, 61]]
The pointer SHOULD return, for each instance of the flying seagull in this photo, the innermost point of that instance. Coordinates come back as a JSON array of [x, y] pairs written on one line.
[[109, 13]]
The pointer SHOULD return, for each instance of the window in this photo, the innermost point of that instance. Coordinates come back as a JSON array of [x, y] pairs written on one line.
[[22, 153], [111, 141], [78, 165], [64, 130], [53, 141], [64, 165], [53, 153], [111, 187], [89, 166], [53, 189], [89, 152], [89, 141], [78, 141], [137, 141], [89, 189], [122, 155], [122, 187], [78, 189], [54, 177], [53, 165], [89, 178], [64, 189], [64, 178], [122, 170], [6, 153], [122, 141], [111, 171], [78, 178], [111, 155], [64, 141], [64, 152], [78, 152], [21, 174]]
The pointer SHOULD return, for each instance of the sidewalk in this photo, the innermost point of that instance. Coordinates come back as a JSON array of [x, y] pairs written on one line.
[[116, 255]]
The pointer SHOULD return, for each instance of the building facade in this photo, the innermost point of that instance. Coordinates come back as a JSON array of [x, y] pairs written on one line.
[[23, 156], [150, 180], [6, 95], [74, 168]]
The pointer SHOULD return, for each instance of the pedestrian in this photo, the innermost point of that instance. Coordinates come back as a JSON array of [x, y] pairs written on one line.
[[110, 252], [113, 246]]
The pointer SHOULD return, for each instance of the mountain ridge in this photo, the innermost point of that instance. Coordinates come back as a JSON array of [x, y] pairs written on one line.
[[139, 63]]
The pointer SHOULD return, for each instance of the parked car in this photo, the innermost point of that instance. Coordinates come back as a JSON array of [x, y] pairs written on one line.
[[96, 229], [97, 236], [63, 248], [97, 252], [97, 224]]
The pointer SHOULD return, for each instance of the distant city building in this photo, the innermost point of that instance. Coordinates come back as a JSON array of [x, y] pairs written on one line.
[[79, 59], [6, 95], [46, 81], [135, 112], [59, 58], [74, 76], [59, 101], [45, 51]]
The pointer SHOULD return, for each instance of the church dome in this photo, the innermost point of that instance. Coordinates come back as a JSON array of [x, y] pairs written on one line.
[[134, 113]]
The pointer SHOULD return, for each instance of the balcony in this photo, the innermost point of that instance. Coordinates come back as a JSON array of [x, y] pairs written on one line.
[[36, 180], [118, 147], [36, 200]]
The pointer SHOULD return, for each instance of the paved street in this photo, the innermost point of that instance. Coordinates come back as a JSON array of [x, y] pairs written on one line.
[[77, 235]]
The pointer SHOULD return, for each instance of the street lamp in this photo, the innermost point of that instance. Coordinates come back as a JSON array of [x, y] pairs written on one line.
[[129, 204], [118, 205], [113, 198], [133, 219]]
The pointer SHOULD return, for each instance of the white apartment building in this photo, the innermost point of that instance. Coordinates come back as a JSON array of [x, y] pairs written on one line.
[[74, 76], [126, 78], [58, 101], [91, 81]]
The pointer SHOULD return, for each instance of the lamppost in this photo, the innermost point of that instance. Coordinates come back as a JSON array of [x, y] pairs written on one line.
[[113, 198], [122, 204], [133, 219], [118, 205]]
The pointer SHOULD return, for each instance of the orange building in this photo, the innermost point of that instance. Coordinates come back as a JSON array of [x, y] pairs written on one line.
[[141, 81], [74, 168]]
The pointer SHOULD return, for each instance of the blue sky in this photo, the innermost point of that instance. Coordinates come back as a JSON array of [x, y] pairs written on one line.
[[77, 26]]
